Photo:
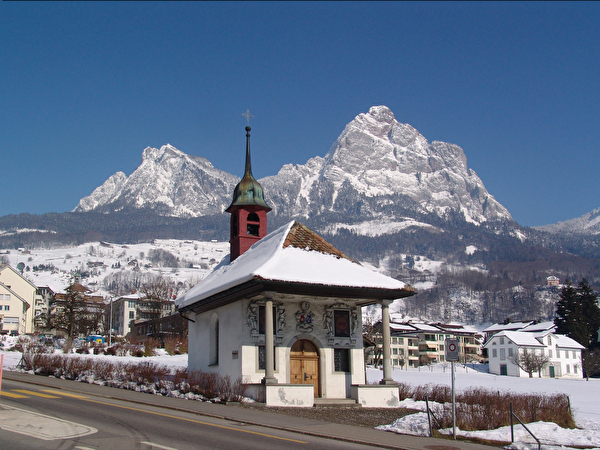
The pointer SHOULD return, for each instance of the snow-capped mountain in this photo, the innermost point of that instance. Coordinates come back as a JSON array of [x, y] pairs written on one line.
[[587, 224], [168, 180], [377, 169], [376, 163]]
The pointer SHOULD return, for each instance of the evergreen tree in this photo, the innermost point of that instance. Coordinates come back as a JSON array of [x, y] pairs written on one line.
[[578, 314]]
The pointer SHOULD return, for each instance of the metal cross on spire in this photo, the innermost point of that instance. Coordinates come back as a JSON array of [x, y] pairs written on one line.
[[247, 115]]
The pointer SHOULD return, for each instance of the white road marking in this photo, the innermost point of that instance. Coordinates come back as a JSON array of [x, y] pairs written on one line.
[[40, 426], [152, 446]]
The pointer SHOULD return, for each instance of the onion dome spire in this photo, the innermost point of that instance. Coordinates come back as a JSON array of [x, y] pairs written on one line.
[[248, 191]]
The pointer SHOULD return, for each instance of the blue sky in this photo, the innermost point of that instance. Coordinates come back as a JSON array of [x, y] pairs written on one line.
[[87, 86]]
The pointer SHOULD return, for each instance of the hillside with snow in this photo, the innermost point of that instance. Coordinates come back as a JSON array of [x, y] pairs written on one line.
[[111, 270], [108, 269], [588, 224]]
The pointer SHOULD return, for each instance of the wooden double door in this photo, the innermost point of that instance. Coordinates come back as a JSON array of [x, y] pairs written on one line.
[[304, 364]]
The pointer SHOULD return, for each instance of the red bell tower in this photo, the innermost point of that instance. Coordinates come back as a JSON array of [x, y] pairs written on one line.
[[248, 210]]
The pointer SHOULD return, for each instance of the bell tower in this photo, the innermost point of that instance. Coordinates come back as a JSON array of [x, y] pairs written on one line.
[[248, 210]]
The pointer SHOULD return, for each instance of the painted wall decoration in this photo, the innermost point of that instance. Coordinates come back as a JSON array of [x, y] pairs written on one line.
[[305, 319]]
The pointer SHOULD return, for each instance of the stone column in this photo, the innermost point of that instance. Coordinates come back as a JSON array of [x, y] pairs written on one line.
[[387, 358], [269, 344]]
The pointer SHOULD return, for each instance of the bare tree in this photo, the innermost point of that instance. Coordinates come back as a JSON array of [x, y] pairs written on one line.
[[530, 361], [68, 313], [157, 301]]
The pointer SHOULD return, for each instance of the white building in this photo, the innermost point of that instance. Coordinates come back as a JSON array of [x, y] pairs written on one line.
[[563, 352], [123, 312], [19, 295], [282, 312]]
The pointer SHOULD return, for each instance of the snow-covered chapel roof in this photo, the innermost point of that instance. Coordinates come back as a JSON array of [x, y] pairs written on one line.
[[295, 260]]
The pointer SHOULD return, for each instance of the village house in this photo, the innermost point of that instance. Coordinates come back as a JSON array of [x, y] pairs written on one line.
[[17, 301], [282, 312], [563, 354], [172, 327], [505, 326]]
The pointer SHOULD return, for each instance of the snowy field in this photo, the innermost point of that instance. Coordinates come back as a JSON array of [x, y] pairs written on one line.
[[584, 395]]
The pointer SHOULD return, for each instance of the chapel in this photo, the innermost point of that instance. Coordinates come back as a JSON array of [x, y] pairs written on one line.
[[282, 312]]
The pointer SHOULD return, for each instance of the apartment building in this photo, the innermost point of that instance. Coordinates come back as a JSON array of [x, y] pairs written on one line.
[[418, 344]]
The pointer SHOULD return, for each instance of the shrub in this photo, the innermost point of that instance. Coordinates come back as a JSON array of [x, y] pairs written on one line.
[[172, 345], [482, 409], [149, 345]]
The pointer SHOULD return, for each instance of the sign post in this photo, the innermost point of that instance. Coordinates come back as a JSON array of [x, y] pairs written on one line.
[[452, 356]]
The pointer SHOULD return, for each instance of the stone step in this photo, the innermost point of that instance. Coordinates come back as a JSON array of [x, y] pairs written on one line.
[[335, 402]]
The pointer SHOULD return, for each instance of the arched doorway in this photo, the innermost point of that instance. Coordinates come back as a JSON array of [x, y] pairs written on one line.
[[304, 364]]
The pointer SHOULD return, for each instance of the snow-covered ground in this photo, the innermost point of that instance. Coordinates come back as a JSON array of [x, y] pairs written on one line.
[[584, 395]]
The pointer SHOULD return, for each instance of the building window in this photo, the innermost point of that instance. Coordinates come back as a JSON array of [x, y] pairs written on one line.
[[501, 341], [234, 225], [214, 340], [394, 351], [131, 304], [6, 307], [131, 315], [494, 353], [262, 358], [549, 353], [341, 321], [253, 228], [6, 296], [341, 359], [502, 354], [568, 368], [574, 368]]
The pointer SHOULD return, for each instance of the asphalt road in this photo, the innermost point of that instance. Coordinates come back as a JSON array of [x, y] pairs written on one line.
[[41, 417]]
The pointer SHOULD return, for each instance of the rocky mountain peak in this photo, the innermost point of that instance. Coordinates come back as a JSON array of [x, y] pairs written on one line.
[[378, 167]]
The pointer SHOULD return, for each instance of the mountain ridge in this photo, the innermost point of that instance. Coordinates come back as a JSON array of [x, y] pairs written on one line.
[[375, 157], [587, 224]]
